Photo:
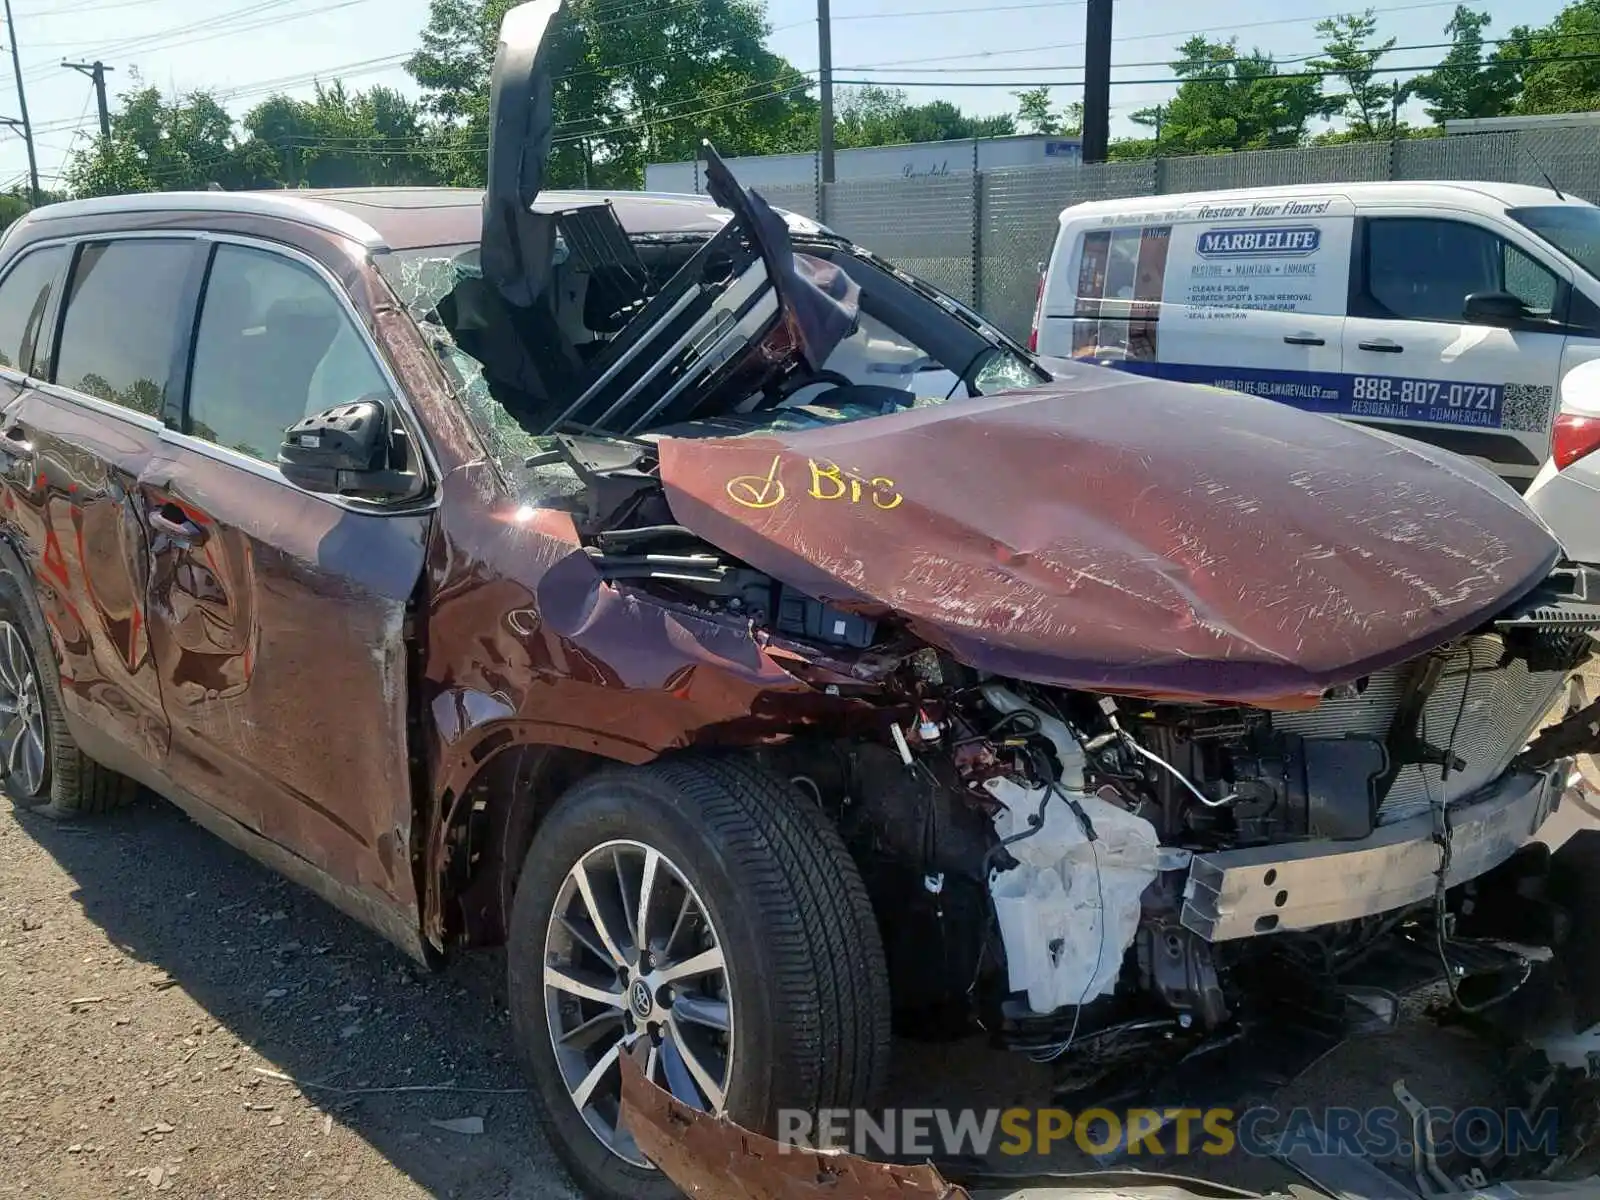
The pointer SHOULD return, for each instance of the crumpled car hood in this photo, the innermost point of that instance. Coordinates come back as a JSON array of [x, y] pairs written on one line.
[[1128, 535]]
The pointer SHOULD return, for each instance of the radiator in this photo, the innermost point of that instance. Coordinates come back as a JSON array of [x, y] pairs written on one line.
[[1504, 706]]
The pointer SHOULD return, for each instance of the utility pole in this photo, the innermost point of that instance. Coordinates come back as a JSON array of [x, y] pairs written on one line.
[[97, 72], [825, 74], [1097, 82], [22, 103]]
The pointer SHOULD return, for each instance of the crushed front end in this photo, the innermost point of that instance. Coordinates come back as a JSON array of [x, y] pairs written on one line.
[[1096, 862]]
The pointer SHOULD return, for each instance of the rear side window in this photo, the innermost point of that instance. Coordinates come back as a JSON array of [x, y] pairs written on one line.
[[1419, 269], [24, 305], [275, 345], [1121, 279], [124, 310]]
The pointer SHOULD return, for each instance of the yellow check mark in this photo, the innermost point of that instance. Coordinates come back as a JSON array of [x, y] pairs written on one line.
[[758, 491]]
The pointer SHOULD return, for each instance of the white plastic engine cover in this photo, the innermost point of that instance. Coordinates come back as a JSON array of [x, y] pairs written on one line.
[[1069, 911]]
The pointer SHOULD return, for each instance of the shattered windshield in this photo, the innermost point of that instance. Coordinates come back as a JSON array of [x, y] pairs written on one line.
[[906, 350], [421, 279]]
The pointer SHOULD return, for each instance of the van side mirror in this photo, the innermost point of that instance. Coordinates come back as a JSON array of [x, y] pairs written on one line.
[[1495, 308], [344, 451]]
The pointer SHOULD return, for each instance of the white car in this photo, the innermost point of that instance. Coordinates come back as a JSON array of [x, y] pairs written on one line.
[[1566, 492]]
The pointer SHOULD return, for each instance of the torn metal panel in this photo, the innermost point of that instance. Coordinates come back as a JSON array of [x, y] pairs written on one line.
[[1121, 534], [712, 1157]]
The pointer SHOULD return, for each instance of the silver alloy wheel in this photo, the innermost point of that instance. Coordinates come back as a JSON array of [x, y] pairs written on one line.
[[22, 731], [631, 953]]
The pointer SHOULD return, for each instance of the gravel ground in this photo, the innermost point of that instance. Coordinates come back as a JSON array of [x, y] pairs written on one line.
[[155, 985], [166, 1005]]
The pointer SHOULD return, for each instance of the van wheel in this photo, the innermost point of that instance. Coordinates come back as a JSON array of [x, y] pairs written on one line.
[[706, 906], [41, 765]]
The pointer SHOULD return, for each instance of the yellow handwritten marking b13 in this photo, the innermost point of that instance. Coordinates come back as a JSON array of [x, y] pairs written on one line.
[[828, 482]]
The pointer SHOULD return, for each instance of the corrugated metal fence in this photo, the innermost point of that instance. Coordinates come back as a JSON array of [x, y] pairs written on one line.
[[982, 237]]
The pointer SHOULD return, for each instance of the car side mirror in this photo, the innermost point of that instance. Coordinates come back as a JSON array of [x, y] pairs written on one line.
[[344, 451], [1495, 308]]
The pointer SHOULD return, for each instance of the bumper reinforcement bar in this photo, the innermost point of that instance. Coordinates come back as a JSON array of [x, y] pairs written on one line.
[[1268, 889]]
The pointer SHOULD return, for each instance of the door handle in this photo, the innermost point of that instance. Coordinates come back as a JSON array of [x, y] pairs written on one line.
[[1382, 347], [1305, 339], [170, 521], [17, 452]]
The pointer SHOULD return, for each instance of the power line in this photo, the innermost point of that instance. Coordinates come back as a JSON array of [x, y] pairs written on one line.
[[571, 131], [404, 146], [607, 68], [419, 147], [479, 147], [650, 124], [333, 74], [1305, 56], [946, 12], [1178, 79], [211, 22], [361, 66], [66, 151], [44, 14], [599, 129], [340, 71], [1143, 37], [222, 26]]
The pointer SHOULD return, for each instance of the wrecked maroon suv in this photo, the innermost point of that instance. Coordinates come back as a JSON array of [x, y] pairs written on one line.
[[763, 648]]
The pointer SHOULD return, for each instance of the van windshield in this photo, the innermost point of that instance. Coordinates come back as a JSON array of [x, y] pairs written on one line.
[[1573, 229]]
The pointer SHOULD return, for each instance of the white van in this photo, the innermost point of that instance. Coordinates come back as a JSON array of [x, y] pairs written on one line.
[[1449, 312]]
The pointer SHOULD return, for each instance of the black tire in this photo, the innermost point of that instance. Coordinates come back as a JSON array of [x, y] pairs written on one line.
[[73, 784], [805, 959]]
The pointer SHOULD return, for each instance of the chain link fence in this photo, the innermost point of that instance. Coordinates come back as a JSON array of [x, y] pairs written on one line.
[[983, 237]]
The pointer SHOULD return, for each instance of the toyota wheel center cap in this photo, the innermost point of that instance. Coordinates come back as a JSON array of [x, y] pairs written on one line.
[[643, 1002]]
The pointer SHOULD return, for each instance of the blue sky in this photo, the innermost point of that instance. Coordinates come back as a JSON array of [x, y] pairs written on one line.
[[244, 47]]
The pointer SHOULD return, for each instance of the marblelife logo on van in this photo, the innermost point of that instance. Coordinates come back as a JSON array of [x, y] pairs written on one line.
[[1297, 241]]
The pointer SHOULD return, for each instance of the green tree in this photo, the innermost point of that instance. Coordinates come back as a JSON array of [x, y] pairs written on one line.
[[633, 84], [1230, 101], [338, 139], [875, 116], [1571, 84], [1369, 103], [870, 116], [158, 144], [1467, 84], [1132, 149], [11, 207], [1036, 114]]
